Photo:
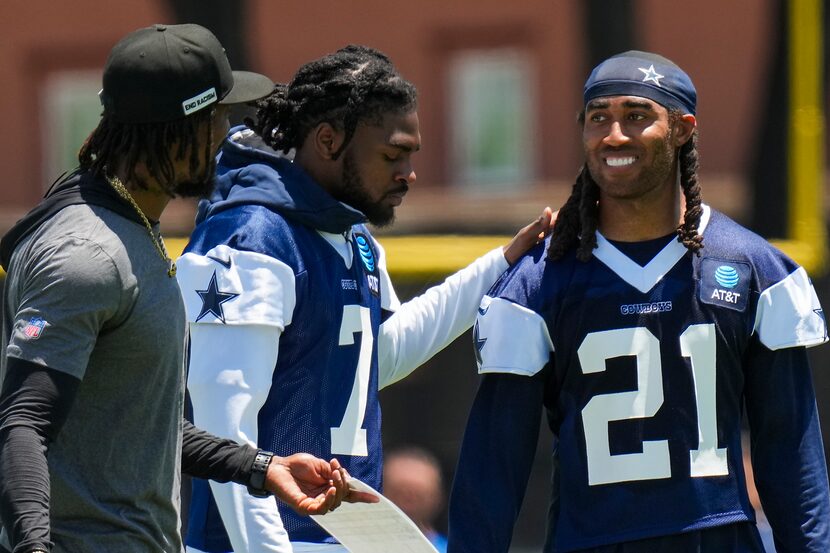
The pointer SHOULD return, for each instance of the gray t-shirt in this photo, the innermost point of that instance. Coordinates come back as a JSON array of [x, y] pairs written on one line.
[[87, 294]]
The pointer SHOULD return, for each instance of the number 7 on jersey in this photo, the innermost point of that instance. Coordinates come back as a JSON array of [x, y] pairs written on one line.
[[349, 438]]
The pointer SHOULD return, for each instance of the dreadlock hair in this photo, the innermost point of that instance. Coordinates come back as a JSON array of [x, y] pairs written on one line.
[[577, 222], [344, 88], [156, 145]]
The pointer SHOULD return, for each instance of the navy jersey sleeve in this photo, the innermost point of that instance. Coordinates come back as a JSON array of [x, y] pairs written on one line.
[[495, 462], [787, 451]]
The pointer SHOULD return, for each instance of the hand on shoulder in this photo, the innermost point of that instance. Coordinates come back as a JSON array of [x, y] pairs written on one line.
[[530, 235]]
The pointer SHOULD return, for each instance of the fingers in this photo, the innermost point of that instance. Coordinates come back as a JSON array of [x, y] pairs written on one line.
[[541, 227], [546, 222], [319, 505], [328, 498], [529, 236], [350, 496], [340, 482]]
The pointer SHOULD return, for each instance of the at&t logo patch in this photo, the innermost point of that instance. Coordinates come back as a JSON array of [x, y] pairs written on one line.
[[367, 257], [366, 254], [727, 276], [725, 283]]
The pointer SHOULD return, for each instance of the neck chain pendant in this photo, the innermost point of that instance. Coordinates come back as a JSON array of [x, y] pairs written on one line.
[[158, 242]]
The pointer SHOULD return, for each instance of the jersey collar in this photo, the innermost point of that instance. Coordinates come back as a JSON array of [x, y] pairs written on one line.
[[645, 278]]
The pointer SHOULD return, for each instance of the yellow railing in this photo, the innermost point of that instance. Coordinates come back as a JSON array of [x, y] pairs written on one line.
[[807, 240], [418, 258], [413, 258]]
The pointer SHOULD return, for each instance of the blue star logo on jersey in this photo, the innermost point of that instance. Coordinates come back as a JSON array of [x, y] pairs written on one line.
[[651, 75], [366, 254], [212, 300], [479, 343], [727, 276]]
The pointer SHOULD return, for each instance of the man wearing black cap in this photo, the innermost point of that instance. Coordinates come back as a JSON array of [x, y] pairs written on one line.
[[93, 323], [644, 326]]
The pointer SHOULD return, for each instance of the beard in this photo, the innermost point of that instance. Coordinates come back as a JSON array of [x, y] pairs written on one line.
[[652, 176], [197, 186], [353, 193]]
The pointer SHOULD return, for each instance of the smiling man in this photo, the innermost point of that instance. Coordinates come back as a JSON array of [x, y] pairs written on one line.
[[644, 347], [294, 324]]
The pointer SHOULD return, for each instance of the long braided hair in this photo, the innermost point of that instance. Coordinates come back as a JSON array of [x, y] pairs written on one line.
[[156, 145], [354, 84], [577, 222]]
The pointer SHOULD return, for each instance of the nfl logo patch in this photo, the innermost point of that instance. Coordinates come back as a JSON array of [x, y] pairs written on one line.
[[35, 327]]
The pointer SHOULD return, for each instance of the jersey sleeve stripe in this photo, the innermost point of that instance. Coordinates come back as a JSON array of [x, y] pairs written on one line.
[[789, 314], [511, 338]]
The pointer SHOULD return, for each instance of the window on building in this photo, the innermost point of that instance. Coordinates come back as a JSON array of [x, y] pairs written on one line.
[[491, 119], [71, 110]]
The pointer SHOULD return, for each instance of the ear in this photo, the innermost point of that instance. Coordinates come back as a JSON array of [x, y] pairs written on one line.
[[326, 140], [684, 128]]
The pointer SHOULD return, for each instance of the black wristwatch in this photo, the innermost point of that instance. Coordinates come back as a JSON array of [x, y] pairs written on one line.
[[256, 484]]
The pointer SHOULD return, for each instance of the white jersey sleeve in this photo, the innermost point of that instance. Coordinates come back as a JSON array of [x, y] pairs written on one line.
[[233, 352], [510, 338], [426, 324], [388, 298], [789, 314], [252, 288]]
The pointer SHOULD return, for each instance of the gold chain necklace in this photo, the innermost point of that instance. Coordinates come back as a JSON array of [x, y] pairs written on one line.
[[119, 187]]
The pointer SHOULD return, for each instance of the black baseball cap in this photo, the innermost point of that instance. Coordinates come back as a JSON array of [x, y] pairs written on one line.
[[167, 72]]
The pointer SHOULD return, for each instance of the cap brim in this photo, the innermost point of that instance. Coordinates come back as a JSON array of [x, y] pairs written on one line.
[[247, 87]]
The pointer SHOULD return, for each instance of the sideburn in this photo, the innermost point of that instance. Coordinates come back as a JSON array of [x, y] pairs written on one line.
[[202, 166]]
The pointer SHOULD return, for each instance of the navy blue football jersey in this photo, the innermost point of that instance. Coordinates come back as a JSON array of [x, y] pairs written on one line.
[[327, 347], [294, 326], [644, 370]]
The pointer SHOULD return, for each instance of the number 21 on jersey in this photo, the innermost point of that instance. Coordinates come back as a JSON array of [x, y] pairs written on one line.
[[698, 343]]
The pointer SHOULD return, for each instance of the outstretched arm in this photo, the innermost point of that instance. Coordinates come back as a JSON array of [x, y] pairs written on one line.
[[426, 324], [303, 482]]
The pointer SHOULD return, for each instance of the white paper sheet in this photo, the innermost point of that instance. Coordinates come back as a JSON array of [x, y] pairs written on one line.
[[374, 527]]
